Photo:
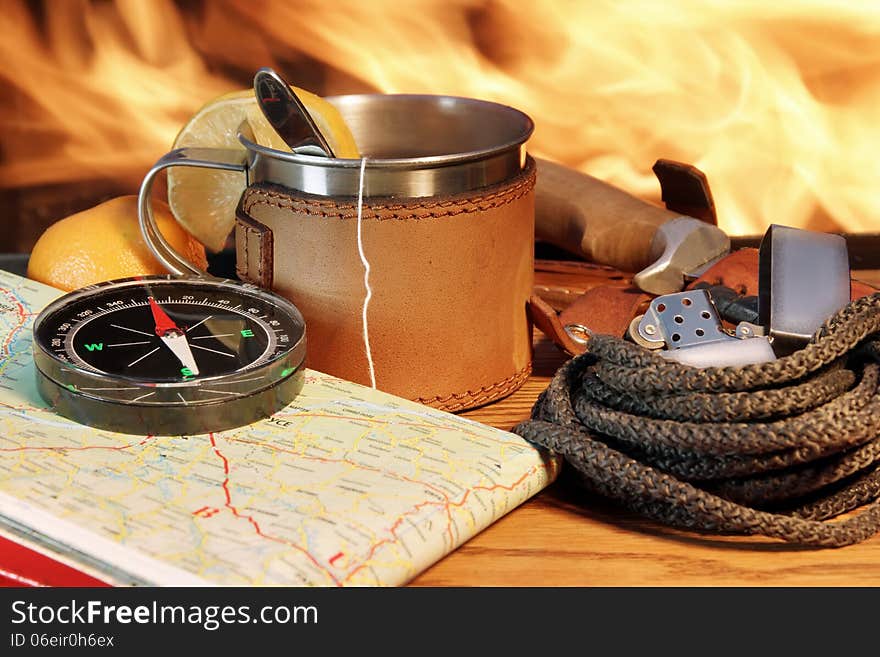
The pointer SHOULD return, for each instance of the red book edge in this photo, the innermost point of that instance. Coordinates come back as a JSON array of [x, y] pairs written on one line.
[[22, 566]]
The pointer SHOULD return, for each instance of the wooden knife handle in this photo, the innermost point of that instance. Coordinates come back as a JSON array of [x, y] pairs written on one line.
[[593, 219]]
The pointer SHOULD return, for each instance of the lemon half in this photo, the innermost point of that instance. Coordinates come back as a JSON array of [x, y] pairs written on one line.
[[204, 200], [104, 243]]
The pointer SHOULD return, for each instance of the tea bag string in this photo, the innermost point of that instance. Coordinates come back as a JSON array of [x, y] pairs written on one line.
[[366, 263]]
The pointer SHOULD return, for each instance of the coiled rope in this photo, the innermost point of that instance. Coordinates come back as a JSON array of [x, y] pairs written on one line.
[[777, 449]]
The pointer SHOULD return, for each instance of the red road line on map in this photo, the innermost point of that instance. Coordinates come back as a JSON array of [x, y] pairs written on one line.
[[392, 530], [254, 523], [361, 466], [336, 556], [22, 315], [75, 449], [447, 507], [394, 475]]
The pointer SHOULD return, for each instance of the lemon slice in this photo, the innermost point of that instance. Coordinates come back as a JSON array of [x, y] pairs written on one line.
[[204, 200]]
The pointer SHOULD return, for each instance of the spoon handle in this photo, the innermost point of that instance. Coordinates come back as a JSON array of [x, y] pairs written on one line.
[[286, 113]]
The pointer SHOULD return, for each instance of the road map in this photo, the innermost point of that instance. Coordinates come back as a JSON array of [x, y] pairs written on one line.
[[345, 486]]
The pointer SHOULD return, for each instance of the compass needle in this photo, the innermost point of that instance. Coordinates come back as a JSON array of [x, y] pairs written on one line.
[[165, 382], [173, 338]]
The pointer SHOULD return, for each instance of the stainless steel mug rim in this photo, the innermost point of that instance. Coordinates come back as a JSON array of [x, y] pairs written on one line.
[[381, 123]]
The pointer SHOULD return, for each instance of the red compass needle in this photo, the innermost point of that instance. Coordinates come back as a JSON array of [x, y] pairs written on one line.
[[174, 339], [164, 323]]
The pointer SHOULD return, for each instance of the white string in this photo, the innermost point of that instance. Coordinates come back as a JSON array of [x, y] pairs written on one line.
[[366, 263]]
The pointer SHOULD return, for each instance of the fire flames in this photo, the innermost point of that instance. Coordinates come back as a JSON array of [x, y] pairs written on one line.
[[776, 102]]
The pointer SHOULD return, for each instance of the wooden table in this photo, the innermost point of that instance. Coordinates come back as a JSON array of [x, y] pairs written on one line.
[[566, 537]]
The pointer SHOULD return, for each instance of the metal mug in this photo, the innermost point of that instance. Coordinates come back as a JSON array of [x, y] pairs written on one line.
[[454, 282], [417, 146]]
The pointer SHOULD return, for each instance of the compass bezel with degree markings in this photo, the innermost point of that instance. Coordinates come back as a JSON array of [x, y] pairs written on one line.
[[166, 355]]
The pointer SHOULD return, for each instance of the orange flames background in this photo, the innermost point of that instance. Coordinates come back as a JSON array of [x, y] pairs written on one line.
[[779, 103]]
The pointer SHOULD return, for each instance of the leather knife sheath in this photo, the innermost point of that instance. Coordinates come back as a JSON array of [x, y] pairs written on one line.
[[603, 300]]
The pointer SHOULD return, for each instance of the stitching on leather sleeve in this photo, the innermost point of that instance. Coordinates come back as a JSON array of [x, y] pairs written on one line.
[[424, 209], [457, 401]]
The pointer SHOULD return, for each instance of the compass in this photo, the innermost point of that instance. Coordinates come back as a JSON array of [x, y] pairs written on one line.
[[168, 355]]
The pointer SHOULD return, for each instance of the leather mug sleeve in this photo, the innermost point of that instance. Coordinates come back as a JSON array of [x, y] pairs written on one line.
[[450, 278]]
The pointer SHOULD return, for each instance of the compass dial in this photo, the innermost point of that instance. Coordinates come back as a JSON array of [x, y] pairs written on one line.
[[168, 342]]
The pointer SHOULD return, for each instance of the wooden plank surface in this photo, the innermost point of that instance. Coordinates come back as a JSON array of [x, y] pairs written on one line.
[[566, 537]]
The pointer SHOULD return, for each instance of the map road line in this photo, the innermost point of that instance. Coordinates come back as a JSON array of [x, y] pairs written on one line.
[[256, 525]]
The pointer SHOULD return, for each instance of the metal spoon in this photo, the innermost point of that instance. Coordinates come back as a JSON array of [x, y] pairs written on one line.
[[286, 113]]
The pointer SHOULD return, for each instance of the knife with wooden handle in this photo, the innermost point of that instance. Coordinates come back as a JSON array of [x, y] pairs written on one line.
[[608, 226]]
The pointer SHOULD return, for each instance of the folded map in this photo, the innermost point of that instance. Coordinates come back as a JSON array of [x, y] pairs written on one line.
[[345, 486]]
